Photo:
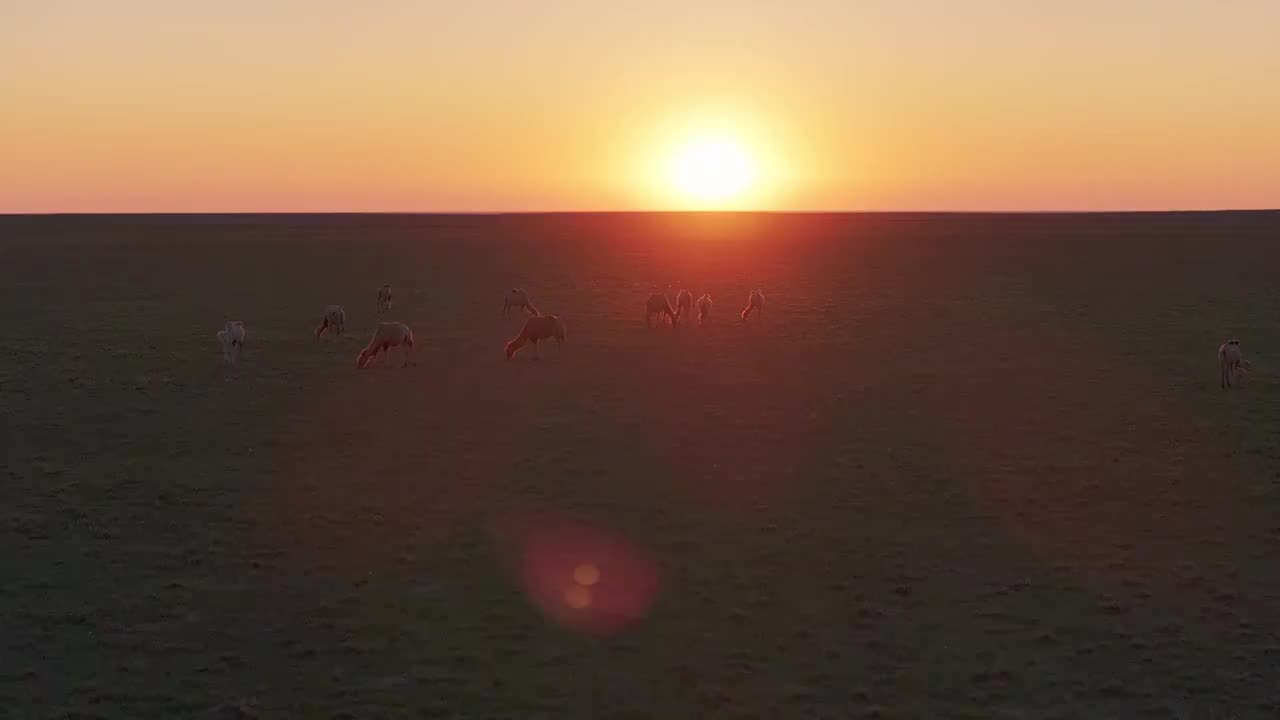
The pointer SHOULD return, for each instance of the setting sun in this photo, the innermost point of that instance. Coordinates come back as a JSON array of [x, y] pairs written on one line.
[[712, 169]]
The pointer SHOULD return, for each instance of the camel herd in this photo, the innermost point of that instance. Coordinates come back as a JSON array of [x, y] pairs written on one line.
[[1232, 365], [536, 328]]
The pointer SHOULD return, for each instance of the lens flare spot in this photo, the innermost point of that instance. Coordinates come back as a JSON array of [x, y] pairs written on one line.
[[586, 574], [577, 597], [552, 554]]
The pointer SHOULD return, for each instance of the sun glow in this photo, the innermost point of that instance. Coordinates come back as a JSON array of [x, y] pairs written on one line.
[[712, 169]]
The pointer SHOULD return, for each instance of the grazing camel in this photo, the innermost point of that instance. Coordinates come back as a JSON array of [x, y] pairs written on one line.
[[755, 303], [704, 308], [684, 305], [231, 338], [334, 317], [387, 336], [538, 327], [1230, 363], [658, 305], [517, 298], [384, 298]]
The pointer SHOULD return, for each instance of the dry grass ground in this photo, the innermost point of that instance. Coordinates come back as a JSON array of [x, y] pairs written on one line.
[[965, 466]]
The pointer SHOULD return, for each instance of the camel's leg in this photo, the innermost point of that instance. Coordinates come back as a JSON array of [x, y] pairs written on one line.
[[535, 349]]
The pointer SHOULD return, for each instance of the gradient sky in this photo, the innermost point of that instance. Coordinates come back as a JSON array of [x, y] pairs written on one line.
[[132, 105]]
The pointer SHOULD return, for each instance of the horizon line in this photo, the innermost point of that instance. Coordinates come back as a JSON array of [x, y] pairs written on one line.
[[637, 212]]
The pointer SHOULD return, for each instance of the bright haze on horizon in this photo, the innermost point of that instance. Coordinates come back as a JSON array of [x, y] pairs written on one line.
[[148, 106]]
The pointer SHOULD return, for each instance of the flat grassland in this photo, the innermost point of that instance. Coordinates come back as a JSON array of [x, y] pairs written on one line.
[[963, 466]]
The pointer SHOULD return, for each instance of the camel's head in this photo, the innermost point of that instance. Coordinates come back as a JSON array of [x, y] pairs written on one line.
[[511, 349], [363, 358]]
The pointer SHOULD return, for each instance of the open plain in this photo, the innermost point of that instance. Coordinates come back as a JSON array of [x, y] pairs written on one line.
[[961, 466]]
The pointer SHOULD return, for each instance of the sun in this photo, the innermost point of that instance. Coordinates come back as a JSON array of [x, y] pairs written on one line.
[[712, 169]]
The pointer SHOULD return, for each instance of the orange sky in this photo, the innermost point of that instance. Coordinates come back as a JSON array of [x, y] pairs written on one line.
[[149, 106]]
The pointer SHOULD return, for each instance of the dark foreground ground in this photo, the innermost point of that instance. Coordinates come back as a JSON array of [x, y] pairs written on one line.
[[966, 466]]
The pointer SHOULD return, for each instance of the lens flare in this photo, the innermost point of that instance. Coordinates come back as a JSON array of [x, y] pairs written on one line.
[[582, 577], [577, 597], [586, 575]]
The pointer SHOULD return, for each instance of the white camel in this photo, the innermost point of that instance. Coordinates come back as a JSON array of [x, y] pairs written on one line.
[[334, 317], [659, 305], [231, 338], [538, 327], [684, 305], [704, 308], [517, 298], [387, 336], [1231, 363], [755, 303]]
